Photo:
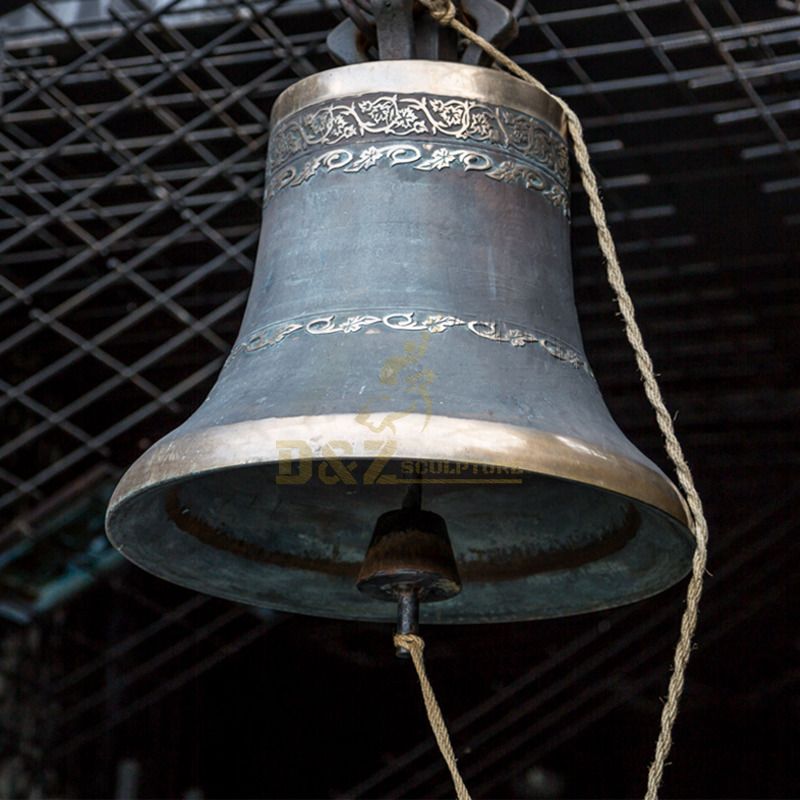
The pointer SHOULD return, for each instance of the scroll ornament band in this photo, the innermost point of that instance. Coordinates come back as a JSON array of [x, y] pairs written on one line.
[[426, 157], [272, 335]]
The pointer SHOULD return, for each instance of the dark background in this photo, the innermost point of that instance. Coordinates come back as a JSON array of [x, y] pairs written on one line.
[[132, 145]]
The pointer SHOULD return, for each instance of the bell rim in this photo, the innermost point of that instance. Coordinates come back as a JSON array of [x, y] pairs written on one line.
[[419, 437], [414, 75]]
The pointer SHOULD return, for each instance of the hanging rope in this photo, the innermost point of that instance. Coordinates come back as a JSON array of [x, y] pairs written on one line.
[[444, 12], [415, 645]]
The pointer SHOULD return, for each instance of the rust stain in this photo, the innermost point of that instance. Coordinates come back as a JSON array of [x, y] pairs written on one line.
[[518, 562], [509, 564], [185, 521]]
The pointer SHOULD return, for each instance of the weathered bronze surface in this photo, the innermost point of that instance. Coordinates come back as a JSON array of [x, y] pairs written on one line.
[[411, 320]]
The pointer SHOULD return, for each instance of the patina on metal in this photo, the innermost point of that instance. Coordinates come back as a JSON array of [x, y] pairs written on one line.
[[411, 323]]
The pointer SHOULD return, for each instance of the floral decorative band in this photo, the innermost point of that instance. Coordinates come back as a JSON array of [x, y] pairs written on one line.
[[419, 116], [271, 335]]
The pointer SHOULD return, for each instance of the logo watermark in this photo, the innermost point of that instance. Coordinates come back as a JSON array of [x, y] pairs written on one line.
[[340, 462]]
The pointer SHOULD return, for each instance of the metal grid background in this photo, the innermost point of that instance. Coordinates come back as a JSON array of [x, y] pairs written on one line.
[[132, 144], [132, 155]]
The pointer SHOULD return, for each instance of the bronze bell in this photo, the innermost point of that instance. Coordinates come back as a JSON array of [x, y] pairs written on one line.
[[410, 348]]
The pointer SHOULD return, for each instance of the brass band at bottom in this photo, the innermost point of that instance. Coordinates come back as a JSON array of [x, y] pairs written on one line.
[[413, 436]]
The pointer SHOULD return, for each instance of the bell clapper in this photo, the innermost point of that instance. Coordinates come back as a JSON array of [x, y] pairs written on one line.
[[409, 561]]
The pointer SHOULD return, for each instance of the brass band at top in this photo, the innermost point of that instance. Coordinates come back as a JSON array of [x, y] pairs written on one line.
[[316, 132], [406, 77]]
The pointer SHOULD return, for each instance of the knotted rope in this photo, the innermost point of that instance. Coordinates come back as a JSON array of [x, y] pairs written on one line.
[[444, 12], [415, 646]]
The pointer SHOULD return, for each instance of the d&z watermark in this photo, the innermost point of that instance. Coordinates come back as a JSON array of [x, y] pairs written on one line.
[[337, 462]]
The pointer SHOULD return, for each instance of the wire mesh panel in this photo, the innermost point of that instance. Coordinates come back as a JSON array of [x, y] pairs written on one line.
[[132, 152], [132, 143], [132, 165]]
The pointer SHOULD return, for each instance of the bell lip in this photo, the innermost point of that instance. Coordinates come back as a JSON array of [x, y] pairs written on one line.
[[418, 436], [416, 75]]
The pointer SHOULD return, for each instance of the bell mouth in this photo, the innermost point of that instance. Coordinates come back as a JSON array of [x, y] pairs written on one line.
[[206, 511]]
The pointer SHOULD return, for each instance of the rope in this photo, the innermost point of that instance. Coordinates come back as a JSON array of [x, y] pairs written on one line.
[[415, 646], [444, 12]]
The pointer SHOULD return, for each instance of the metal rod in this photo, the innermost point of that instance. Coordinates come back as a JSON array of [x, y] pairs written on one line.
[[407, 617]]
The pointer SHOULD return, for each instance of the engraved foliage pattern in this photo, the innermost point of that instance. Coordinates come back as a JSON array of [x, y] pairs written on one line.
[[416, 115]]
